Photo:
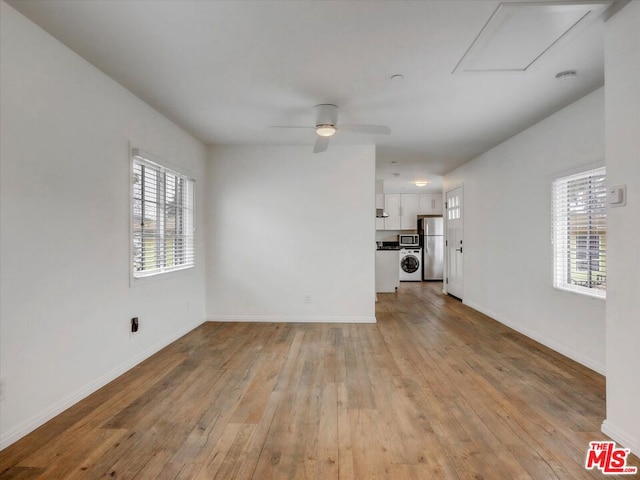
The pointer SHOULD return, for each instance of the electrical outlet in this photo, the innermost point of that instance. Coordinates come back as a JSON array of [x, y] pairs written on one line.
[[135, 326], [307, 299]]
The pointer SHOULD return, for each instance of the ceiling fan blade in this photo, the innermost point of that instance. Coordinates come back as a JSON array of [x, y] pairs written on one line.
[[322, 143], [374, 129]]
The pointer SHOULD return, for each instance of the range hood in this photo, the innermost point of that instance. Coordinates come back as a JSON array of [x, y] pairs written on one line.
[[380, 213]]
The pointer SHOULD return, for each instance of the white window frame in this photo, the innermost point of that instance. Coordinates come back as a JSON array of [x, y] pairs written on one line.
[[579, 210], [183, 239]]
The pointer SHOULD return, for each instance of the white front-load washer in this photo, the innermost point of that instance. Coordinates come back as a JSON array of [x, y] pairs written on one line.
[[411, 264]]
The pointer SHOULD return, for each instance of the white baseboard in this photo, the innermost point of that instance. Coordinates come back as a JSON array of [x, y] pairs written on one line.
[[621, 437], [290, 319], [547, 342], [40, 419]]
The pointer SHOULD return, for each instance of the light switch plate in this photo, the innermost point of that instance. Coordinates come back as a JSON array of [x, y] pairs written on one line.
[[617, 195]]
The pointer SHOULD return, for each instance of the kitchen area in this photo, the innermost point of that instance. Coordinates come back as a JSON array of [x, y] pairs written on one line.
[[409, 238]]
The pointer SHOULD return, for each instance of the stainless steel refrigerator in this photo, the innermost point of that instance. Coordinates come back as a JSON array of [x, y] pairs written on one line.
[[431, 231]]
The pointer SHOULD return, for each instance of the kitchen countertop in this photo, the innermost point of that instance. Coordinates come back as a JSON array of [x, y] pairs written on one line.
[[387, 246]]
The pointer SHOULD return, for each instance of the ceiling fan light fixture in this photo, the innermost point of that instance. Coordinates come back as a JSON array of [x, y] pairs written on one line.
[[325, 130], [325, 126]]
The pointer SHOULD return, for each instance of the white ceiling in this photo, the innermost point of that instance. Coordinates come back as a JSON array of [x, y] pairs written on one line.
[[227, 70]]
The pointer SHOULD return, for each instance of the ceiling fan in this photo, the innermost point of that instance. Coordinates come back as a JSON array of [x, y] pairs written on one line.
[[327, 125]]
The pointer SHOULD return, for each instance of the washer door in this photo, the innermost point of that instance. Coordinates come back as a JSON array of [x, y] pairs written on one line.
[[410, 264]]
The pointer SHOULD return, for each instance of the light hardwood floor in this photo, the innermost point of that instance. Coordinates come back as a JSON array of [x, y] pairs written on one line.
[[434, 390]]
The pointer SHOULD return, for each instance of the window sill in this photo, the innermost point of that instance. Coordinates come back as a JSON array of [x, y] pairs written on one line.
[[160, 276], [582, 297]]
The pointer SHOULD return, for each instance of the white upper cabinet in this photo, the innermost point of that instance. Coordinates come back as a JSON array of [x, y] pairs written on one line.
[[379, 204], [430, 204], [392, 207], [408, 211], [404, 208]]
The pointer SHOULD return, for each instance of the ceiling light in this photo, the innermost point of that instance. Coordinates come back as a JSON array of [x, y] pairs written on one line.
[[325, 130], [566, 76], [397, 77], [420, 183]]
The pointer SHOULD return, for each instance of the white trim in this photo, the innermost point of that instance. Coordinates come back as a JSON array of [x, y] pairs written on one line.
[[568, 222], [159, 161], [290, 319], [162, 168], [37, 420], [547, 342], [585, 167], [621, 437], [579, 297], [165, 276]]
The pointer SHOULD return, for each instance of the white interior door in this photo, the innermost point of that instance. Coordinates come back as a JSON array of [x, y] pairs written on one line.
[[454, 248]]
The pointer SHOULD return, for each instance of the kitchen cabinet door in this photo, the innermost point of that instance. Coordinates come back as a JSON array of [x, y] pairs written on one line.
[[387, 271], [409, 211], [380, 204], [430, 204], [439, 210], [392, 207]]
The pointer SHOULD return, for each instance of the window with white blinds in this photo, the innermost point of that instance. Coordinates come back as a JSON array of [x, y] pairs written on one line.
[[579, 226], [163, 223]]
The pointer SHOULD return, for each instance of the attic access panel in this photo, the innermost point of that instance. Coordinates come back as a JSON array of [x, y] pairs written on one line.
[[518, 34]]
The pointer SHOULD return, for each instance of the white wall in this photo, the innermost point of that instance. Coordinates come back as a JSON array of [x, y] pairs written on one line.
[[622, 87], [507, 256], [64, 217], [283, 224]]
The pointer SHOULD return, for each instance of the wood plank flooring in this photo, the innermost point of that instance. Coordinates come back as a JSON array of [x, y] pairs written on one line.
[[434, 390]]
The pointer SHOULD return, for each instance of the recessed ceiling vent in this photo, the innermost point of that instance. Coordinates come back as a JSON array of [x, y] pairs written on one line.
[[518, 34]]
